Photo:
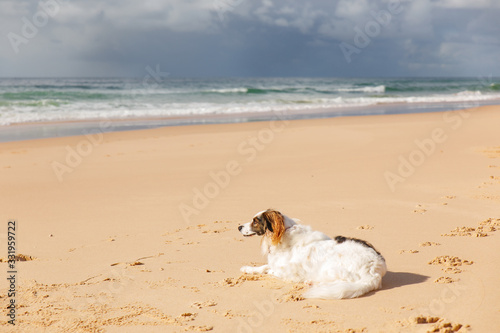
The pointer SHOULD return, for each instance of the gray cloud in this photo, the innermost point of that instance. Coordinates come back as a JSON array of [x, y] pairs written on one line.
[[251, 38]]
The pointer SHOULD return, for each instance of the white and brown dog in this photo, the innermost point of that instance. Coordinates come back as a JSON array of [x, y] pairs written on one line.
[[336, 268]]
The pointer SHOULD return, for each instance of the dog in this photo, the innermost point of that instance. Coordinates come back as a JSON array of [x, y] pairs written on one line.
[[335, 268]]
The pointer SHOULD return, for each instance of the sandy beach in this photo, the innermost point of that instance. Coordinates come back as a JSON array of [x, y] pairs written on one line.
[[137, 231]]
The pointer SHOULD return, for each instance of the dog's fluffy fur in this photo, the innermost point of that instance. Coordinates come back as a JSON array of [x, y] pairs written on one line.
[[336, 268]]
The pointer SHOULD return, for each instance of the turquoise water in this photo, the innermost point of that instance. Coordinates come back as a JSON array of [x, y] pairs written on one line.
[[62, 99]]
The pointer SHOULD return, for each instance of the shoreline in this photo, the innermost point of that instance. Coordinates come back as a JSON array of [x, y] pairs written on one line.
[[131, 230], [50, 129]]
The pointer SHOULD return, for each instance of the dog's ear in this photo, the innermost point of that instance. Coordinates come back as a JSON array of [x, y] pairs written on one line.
[[268, 223], [275, 224]]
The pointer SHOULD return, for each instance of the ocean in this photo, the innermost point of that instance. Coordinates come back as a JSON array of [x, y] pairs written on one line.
[[177, 101]]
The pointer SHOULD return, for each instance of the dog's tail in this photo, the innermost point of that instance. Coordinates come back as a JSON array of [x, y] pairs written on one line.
[[339, 289], [342, 289]]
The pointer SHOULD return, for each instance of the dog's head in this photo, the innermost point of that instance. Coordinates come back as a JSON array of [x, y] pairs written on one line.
[[269, 223]]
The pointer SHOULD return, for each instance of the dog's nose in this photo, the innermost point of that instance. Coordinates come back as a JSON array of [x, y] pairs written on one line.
[[240, 227]]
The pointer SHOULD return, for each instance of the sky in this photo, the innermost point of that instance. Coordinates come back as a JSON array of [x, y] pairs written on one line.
[[249, 38]]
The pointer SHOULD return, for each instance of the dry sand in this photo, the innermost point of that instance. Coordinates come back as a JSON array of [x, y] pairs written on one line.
[[137, 231]]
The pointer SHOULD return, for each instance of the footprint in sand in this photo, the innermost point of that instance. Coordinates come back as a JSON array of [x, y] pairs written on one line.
[[450, 261], [493, 152], [482, 230], [445, 279], [424, 244], [365, 227], [420, 209], [450, 264], [493, 180], [200, 305], [203, 328], [169, 282], [198, 226], [316, 325], [448, 197], [231, 282], [440, 325], [409, 251], [215, 231], [465, 231], [452, 270], [193, 289], [294, 295]]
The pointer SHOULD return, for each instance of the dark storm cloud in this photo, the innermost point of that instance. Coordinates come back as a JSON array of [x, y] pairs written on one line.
[[249, 38]]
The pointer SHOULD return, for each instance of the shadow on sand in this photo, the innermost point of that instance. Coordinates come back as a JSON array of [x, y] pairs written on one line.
[[399, 279]]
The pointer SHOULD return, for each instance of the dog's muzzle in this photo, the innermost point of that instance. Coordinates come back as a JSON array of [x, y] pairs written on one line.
[[245, 231]]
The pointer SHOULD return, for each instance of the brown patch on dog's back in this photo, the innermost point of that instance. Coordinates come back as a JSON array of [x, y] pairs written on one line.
[[341, 239]]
